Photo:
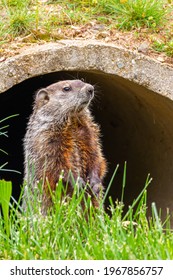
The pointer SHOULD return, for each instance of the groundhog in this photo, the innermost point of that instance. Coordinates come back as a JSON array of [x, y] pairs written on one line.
[[62, 136]]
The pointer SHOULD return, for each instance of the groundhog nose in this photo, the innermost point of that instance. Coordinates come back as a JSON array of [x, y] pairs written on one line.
[[90, 90]]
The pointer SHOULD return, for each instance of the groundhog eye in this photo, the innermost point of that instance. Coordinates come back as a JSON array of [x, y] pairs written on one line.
[[66, 88]]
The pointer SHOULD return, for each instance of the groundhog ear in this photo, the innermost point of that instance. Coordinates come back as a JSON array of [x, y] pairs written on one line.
[[42, 95]]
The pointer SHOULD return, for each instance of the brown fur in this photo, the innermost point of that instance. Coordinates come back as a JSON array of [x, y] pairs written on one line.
[[61, 135]]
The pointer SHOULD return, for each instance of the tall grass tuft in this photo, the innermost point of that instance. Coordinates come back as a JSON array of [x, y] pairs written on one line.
[[138, 13], [20, 18], [20, 22], [72, 231]]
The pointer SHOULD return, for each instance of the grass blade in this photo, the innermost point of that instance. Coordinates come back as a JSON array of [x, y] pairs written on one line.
[[9, 117], [110, 183], [5, 195], [124, 181], [148, 181]]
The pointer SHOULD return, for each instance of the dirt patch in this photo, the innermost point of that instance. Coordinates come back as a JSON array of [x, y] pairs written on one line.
[[140, 41]]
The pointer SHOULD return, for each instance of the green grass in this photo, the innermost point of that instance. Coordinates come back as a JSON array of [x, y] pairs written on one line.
[[5, 195], [139, 13], [3, 132], [18, 19], [24, 17], [164, 47], [32, 21], [68, 232]]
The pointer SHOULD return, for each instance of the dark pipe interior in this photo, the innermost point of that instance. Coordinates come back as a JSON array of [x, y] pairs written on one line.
[[136, 127]]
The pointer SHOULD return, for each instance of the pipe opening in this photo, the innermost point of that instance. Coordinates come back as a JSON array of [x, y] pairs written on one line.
[[136, 126]]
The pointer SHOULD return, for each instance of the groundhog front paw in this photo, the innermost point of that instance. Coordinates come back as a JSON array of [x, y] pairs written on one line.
[[97, 189]]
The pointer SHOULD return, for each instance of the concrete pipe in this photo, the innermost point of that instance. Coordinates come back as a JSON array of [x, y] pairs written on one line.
[[133, 106]]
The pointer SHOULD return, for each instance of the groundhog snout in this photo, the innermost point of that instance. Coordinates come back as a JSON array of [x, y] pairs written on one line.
[[88, 90]]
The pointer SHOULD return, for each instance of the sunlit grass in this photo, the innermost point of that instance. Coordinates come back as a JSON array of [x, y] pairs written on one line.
[[70, 231]]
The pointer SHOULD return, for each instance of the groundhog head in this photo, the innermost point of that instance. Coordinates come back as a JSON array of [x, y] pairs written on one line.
[[65, 96]]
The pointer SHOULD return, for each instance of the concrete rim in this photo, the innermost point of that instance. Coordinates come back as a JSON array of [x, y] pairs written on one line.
[[89, 55]]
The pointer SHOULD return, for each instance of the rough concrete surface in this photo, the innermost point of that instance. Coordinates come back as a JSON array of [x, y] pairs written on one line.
[[133, 106], [86, 56]]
